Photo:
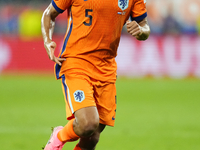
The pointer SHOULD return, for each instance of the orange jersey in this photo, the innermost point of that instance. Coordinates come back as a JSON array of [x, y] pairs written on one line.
[[93, 35]]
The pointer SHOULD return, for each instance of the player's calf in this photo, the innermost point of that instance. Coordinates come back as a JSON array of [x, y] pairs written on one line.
[[89, 143]]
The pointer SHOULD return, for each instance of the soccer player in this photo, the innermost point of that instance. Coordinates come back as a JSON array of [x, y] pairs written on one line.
[[86, 64]]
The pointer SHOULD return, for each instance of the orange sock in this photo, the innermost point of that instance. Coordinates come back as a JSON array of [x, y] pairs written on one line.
[[77, 147], [67, 133]]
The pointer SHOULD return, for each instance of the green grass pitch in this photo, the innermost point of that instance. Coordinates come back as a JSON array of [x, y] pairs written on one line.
[[152, 114]]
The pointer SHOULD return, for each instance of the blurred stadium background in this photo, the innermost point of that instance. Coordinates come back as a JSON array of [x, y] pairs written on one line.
[[173, 49], [158, 85]]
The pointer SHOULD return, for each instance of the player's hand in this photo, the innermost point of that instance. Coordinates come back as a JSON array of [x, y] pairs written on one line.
[[50, 48], [134, 28]]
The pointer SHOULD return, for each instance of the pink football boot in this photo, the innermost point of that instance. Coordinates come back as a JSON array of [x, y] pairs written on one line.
[[54, 143]]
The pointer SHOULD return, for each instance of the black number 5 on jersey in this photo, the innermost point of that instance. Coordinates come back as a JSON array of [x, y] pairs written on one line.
[[89, 16]]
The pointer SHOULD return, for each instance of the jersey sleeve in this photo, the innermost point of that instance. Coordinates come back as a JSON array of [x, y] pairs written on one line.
[[61, 5], [139, 11]]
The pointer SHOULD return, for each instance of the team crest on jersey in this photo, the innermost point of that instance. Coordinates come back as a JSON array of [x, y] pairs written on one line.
[[79, 96], [123, 4]]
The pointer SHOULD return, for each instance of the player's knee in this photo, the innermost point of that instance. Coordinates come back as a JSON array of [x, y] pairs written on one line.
[[88, 127]]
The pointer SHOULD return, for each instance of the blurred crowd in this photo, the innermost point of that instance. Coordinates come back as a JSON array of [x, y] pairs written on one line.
[[20, 17], [174, 16]]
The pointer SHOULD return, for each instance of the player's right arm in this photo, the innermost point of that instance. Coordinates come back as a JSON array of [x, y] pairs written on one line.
[[47, 27]]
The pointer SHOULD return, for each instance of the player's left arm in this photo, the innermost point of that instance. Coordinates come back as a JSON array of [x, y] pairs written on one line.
[[140, 30]]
